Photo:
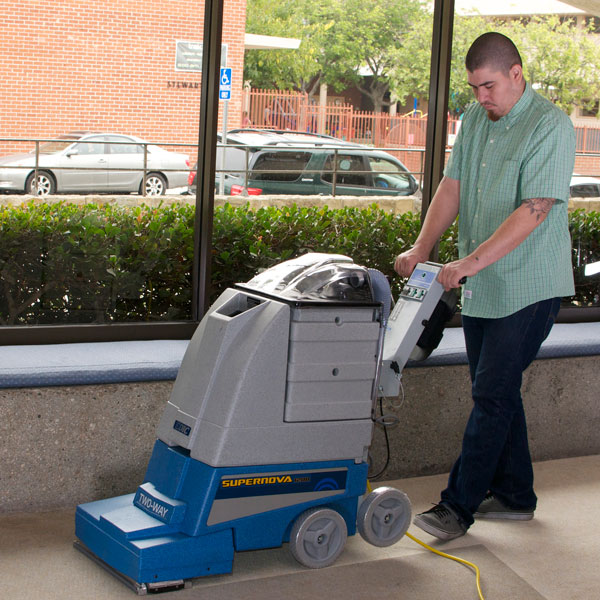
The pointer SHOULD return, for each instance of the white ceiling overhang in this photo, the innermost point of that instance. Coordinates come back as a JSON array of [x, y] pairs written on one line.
[[527, 7], [512, 8], [253, 41]]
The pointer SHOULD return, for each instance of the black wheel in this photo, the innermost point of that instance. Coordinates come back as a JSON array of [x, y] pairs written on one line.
[[318, 537], [156, 185], [45, 184], [384, 516]]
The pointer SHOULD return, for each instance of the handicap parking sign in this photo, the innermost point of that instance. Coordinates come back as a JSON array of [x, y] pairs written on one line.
[[225, 84]]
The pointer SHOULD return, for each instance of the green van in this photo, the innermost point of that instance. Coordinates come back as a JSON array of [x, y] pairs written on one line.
[[256, 162]]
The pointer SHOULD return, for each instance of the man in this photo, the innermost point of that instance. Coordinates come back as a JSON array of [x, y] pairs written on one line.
[[508, 177]]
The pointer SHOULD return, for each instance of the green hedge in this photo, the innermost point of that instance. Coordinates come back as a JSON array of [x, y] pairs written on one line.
[[63, 263]]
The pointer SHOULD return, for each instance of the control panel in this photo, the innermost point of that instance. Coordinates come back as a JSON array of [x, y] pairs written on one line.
[[418, 285]]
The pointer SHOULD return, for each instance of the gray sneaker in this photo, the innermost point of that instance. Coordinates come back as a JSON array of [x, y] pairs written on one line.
[[493, 508], [440, 522]]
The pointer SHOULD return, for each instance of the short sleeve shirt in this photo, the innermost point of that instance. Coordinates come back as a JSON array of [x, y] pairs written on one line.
[[529, 153]]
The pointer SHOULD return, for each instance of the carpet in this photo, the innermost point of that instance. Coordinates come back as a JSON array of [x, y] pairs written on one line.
[[414, 577], [37, 560]]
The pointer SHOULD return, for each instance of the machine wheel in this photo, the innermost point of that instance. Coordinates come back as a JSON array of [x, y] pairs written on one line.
[[45, 184], [318, 537], [384, 516], [156, 185]]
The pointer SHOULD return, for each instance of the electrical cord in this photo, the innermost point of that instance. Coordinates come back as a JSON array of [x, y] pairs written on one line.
[[382, 421], [445, 555], [451, 557], [399, 405], [385, 421]]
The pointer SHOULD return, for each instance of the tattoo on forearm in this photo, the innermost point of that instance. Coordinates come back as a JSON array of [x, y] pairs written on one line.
[[539, 206]]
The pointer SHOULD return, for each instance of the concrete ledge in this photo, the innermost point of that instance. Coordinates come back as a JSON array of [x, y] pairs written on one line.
[[65, 445], [393, 204]]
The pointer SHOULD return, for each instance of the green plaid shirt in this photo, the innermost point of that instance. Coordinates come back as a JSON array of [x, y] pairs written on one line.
[[528, 153]]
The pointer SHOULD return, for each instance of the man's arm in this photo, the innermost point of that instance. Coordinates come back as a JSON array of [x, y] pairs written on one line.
[[441, 214], [512, 232]]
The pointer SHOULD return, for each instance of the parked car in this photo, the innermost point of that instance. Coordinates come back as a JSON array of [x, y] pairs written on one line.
[[287, 162], [83, 162], [584, 187]]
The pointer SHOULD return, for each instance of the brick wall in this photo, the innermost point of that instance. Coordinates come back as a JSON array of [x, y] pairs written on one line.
[[108, 66], [587, 165]]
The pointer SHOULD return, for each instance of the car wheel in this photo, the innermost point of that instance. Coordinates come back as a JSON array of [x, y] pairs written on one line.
[[156, 185], [45, 184]]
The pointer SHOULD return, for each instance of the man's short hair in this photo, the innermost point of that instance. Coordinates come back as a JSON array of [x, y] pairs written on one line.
[[492, 50]]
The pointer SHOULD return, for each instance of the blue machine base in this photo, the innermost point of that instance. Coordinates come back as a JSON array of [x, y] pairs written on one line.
[[187, 519]]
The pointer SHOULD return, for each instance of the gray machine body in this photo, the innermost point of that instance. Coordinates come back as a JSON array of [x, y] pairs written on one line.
[[284, 373]]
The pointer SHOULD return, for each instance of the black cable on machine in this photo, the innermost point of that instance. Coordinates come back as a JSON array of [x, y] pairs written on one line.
[[381, 421]]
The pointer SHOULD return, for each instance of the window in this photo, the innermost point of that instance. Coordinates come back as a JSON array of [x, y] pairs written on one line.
[[348, 170], [288, 166], [91, 146], [585, 190], [129, 262], [388, 174], [591, 111], [124, 148], [593, 23]]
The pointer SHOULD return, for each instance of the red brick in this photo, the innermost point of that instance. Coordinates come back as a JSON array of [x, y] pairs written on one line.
[[72, 64]]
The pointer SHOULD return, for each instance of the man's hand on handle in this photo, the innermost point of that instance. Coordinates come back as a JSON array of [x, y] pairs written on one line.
[[407, 261], [452, 275]]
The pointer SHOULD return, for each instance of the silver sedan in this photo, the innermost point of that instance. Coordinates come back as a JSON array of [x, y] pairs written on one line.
[[83, 162]]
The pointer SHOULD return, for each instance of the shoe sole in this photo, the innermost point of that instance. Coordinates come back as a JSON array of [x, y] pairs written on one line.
[[504, 516], [435, 531]]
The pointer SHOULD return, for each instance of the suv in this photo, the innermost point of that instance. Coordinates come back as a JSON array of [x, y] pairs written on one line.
[[584, 187], [289, 162]]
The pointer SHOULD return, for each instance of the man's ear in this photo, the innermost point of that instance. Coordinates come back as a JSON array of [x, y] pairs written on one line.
[[516, 73]]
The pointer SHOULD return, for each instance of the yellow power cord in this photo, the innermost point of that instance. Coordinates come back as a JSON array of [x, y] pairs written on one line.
[[456, 558]]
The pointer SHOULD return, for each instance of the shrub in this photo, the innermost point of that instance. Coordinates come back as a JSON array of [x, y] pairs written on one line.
[[63, 263]]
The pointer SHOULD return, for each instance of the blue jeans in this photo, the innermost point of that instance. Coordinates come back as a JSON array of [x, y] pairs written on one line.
[[495, 451]]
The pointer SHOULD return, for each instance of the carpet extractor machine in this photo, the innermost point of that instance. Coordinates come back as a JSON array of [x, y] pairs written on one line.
[[265, 438]]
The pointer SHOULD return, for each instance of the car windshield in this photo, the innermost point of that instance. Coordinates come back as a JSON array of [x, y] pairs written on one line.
[[55, 146]]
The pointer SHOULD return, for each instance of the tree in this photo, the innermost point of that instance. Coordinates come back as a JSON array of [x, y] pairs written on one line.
[[384, 46], [343, 42], [560, 59], [359, 42], [283, 69]]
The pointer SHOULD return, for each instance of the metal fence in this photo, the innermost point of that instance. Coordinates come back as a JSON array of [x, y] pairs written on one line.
[[33, 172], [411, 156], [274, 109]]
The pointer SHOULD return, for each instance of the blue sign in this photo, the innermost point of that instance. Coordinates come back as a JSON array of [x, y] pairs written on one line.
[[182, 427], [225, 84]]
